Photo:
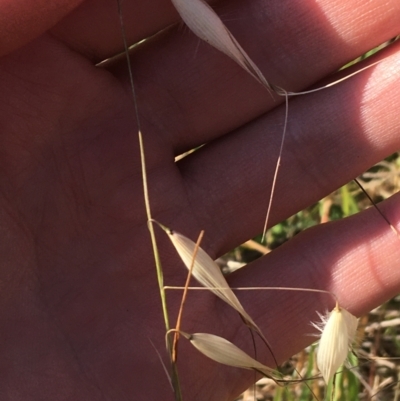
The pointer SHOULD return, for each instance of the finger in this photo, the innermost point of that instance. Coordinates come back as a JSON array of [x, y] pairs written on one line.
[[332, 137], [94, 28], [89, 27], [22, 21], [189, 94], [355, 258]]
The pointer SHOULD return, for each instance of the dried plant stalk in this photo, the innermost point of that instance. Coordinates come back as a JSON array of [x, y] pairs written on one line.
[[184, 295]]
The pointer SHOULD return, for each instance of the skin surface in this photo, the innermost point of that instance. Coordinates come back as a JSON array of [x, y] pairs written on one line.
[[80, 314]]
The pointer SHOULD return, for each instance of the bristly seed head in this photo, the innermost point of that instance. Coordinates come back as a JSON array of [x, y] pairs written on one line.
[[338, 333]]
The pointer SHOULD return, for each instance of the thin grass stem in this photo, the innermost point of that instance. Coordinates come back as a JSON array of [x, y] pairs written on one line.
[[160, 277], [169, 287], [184, 295], [277, 166], [377, 207], [282, 92]]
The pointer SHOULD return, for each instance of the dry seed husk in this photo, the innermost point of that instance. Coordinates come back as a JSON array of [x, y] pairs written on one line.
[[338, 333], [208, 273], [205, 23], [223, 351]]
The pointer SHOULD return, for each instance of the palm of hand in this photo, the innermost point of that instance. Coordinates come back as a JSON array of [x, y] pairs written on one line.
[[76, 235], [79, 294]]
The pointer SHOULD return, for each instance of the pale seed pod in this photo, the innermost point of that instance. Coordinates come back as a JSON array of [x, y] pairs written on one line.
[[205, 23], [208, 273], [223, 351], [338, 333]]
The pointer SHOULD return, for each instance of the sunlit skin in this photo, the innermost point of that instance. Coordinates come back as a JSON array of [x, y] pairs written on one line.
[[80, 315]]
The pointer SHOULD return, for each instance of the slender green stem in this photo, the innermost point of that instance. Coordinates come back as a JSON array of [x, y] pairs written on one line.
[[160, 277]]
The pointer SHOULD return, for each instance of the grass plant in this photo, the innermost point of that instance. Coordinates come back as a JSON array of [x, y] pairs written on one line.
[[203, 21]]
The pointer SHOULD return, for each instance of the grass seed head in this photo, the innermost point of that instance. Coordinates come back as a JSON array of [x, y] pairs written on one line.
[[206, 24], [338, 332], [223, 351], [206, 271]]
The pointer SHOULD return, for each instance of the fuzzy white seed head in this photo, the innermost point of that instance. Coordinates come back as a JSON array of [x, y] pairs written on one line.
[[338, 332]]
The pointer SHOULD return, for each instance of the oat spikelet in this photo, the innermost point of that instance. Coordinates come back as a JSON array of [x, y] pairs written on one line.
[[205, 23], [208, 273], [223, 351], [338, 333]]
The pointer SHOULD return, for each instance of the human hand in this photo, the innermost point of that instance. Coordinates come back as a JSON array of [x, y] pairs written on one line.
[[80, 307]]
